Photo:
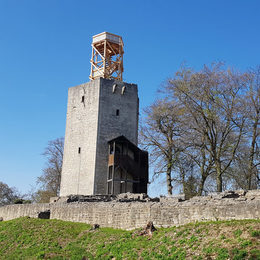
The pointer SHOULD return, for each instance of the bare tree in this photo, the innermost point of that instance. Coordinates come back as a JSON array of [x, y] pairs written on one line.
[[160, 134], [186, 174], [51, 176], [8, 195], [211, 98], [216, 114], [253, 95], [246, 173]]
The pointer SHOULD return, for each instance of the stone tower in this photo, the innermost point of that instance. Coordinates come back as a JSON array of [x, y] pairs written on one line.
[[97, 112]]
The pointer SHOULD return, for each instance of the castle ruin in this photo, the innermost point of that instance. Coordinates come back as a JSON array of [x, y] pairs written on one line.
[[103, 168]]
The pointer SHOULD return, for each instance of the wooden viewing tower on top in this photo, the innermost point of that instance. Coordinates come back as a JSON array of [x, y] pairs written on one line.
[[107, 56]]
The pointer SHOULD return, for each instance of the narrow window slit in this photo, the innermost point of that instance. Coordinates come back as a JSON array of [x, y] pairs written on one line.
[[117, 112], [79, 150], [114, 88]]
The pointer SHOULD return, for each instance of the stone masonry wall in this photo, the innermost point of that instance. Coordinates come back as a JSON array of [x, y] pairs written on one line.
[[97, 112], [22, 210], [124, 98], [78, 167], [129, 213]]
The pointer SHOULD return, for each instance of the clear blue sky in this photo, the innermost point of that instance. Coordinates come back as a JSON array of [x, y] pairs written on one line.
[[45, 48]]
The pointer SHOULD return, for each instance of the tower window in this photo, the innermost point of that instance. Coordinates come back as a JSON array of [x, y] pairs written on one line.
[[117, 112], [79, 150], [82, 99], [114, 88]]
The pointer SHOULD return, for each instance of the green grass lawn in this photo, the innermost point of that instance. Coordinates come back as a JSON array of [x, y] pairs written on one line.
[[28, 238]]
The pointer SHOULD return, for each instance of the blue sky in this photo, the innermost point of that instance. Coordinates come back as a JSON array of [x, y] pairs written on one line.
[[45, 48]]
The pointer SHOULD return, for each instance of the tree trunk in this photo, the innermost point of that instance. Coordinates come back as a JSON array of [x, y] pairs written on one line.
[[169, 179], [219, 183], [219, 177], [251, 156], [201, 186]]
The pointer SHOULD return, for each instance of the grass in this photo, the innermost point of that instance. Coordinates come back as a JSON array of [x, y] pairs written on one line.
[[27, 238]]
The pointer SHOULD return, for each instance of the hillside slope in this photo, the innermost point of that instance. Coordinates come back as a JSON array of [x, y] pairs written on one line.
[[27, 238]]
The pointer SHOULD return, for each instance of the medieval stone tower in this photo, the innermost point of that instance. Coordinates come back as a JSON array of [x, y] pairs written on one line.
[[97, 112]]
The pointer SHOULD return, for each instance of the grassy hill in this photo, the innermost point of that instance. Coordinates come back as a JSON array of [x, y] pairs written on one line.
[[27, 238]]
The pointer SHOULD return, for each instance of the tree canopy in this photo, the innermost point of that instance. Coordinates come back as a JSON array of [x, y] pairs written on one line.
[[203, 131], [8, 195]]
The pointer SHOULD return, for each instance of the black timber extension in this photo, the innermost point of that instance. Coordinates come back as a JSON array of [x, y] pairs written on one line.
[[127, 167]]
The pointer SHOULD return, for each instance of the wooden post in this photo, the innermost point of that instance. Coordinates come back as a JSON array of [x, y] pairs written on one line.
[[108, 168], [113, 170]]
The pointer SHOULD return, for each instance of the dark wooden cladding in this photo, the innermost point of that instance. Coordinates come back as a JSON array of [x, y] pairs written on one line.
[[127, 167]]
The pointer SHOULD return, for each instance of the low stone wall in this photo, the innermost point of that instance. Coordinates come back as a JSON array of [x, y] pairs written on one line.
[[22, 210], [128, 212]]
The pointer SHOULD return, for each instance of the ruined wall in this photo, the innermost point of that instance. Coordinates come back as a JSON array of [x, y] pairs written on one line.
[[165, 213], [129, 213], [22, 210]]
